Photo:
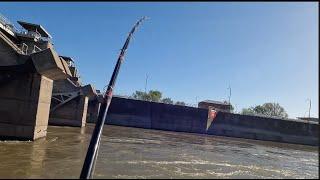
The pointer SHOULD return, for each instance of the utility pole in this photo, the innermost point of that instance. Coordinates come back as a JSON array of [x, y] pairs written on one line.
[[229, 96], [229, 93], [309, 106], [145, 86], [196, 101]]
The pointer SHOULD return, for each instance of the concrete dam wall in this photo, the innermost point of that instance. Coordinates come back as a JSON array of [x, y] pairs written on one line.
[[263, 128], [151, 115]]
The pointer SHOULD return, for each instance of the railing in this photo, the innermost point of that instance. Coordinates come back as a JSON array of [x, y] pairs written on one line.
[[36, 49], [7, 24], [24, 48]]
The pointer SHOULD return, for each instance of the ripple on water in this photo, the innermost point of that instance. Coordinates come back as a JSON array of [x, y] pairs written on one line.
[[140, 153]]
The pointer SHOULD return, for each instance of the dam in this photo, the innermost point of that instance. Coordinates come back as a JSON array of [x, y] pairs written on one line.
[[48, 112], [152, 115], [46, 89]]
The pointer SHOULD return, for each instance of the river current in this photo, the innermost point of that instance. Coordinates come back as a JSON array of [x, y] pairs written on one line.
[[127, 152]]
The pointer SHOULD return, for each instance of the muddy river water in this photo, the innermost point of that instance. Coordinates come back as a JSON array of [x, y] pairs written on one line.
[[141, 153]]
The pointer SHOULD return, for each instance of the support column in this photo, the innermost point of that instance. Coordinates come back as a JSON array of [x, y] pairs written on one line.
[[72, 113], [24, 106], [93, 110]]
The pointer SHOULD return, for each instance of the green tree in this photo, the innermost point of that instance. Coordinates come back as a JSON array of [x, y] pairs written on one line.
[[267, 109], [150, 96], [140, 95], [274, 109], [155, 95], [180, 103], [167, 100], [248, 111]]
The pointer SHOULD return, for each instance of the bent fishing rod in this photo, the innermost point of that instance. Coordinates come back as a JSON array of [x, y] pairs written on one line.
[[92, 152]]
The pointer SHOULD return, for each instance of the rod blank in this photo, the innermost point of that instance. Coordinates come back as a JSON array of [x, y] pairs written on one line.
[[92, 152]]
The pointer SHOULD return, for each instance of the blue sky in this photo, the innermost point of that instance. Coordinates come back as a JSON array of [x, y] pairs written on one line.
[[266, 52]]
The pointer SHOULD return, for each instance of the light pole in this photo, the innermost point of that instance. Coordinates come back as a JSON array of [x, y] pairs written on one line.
[[196, 101], [229, 93], [309, 106], [145, 86], [229, 96]]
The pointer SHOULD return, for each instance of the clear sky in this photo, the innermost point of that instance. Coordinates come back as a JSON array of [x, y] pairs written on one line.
[[266, 52]]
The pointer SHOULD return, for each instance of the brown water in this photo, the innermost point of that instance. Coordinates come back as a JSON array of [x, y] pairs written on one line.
[[140, 153]]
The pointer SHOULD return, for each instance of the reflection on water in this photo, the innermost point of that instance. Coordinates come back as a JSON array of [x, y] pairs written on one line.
[[139, 153]]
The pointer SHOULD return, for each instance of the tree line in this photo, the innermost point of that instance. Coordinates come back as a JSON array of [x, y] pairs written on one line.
[[267, 109], [155, 96]]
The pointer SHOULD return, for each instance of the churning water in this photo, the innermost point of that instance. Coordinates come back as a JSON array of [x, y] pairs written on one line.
[[140, 153]]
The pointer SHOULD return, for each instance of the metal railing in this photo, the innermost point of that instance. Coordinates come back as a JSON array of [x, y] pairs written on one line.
[[7, 24], [24, 48], [36, 49]]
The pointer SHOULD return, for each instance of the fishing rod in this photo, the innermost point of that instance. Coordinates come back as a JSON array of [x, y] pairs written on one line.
[[92, 152]]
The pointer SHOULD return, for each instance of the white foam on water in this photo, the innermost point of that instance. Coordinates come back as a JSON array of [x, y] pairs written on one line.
[[238, 172], [192, 174], [202, 162], [15, 142], [133, 140], [119, 176], [53, 139]]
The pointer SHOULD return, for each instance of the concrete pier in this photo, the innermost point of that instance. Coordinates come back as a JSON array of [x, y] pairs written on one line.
[[25, 97], [94, 108], [28, 67], [71, 114], [69, 103], [24, 107]]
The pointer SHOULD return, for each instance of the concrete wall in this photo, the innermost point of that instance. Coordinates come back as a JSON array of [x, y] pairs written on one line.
[[93, 110], [151, 115], [64, 85], [72, 113], [262, 128], [24, 107]]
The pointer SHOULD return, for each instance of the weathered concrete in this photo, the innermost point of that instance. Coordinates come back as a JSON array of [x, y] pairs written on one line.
[[94, 108], [25, 98], [66, 95], [72, 114], [24, 106], [127, 112], [69, 104], [262, 128], [48, 63], [26, 86], [151, 115]]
